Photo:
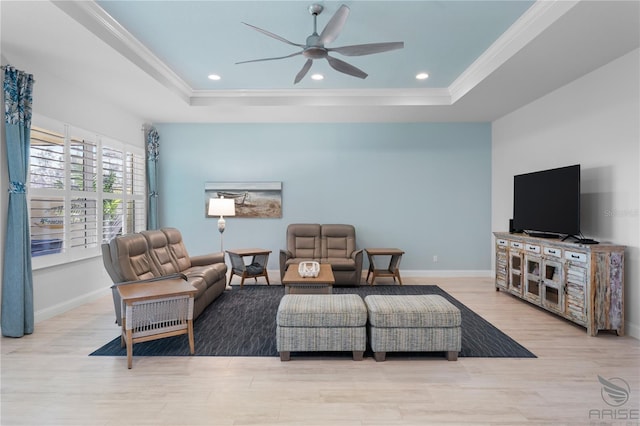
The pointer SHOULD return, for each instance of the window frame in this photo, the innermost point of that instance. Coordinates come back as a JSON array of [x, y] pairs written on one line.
[[70, 195]]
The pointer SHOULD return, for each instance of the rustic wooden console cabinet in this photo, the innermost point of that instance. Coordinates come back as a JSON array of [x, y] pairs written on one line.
[[583, 283]]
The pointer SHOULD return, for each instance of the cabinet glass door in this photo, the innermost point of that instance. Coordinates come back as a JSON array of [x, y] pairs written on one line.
[[532, 283], [552, 282], [515, 273]]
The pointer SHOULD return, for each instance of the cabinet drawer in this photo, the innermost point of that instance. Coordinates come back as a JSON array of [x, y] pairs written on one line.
[[575, 256], [552, 251], [516, 245], [502, 243], [532, 248]]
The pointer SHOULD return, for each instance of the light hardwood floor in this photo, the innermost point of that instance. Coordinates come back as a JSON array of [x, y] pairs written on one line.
[[49, 379]]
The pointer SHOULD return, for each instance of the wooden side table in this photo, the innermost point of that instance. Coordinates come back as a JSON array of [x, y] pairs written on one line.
[[257, 267], [394, 263], [155, 310]]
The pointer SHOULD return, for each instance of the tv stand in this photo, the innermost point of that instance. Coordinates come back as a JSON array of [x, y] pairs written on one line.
[[581, 282]]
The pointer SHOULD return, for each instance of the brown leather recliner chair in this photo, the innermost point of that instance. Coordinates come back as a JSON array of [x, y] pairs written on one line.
[[334, 244]]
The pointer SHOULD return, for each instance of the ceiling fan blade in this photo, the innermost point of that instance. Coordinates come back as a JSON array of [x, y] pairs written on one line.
[[270, 59], [367, 49], [335, 24], [272, 35], [303, 71], [346, 68]]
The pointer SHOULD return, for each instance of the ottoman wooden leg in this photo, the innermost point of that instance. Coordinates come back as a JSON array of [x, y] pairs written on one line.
[[285, 356], [452, 355], [358, 355], [380, 356]]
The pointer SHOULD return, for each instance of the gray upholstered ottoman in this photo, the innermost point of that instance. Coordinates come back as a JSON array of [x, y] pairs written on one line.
[[426, 323], [321, 322]]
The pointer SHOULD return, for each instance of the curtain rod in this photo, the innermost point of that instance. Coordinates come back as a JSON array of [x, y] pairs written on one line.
[[4, 67]]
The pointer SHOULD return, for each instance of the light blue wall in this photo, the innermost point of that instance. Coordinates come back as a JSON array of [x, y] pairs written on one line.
[[422, 187]]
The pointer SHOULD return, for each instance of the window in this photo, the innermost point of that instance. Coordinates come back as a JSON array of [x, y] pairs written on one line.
[[71, 174]]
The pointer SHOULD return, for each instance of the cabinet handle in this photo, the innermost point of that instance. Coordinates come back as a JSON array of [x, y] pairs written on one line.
[[574, 256]]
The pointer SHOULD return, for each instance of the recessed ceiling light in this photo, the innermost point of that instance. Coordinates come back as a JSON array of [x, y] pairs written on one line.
[[317, 77], [422, 76], [214, 77]]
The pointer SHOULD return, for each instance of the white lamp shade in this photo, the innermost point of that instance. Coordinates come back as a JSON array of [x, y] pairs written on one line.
[[222, 207]]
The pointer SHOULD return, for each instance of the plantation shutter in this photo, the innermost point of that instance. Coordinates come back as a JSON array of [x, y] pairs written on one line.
[[83, 179], [112, 189], [136, 187], [47, 178]]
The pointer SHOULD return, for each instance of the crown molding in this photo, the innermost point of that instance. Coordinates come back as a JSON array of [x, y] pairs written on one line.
[[314, 97], [90, 15], [532, 23]]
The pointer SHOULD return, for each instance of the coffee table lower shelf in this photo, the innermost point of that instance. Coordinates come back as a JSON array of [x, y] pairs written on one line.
[[308, 288]]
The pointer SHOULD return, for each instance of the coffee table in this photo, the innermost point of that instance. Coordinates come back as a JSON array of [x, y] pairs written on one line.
[[295, 284]]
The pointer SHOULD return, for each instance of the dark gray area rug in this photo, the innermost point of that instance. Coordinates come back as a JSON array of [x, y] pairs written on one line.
[[243, 323]]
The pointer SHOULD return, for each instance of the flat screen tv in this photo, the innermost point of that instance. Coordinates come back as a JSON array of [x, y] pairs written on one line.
[[547, 202]]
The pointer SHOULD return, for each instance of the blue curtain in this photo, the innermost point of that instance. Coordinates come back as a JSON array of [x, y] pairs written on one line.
[[17, 280], [153, 146]]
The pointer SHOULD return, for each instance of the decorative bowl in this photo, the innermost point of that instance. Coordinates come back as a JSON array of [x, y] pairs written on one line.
[[309, 269]]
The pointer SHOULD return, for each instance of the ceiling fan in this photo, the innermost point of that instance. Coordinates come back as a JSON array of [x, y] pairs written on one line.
[[314, 48]]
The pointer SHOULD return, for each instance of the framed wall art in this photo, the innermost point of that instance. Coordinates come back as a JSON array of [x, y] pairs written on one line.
[[252, 199]]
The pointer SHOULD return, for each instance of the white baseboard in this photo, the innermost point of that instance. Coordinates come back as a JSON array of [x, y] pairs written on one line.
[[60, 308], [435, 273], [427, 273], [632, 330]]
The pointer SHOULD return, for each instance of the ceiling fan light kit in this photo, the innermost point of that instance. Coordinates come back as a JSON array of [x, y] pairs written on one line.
[[314, 47]]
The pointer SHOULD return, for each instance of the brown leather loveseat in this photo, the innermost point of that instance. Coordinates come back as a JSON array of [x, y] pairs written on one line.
[[158, 254], [334, 244]]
